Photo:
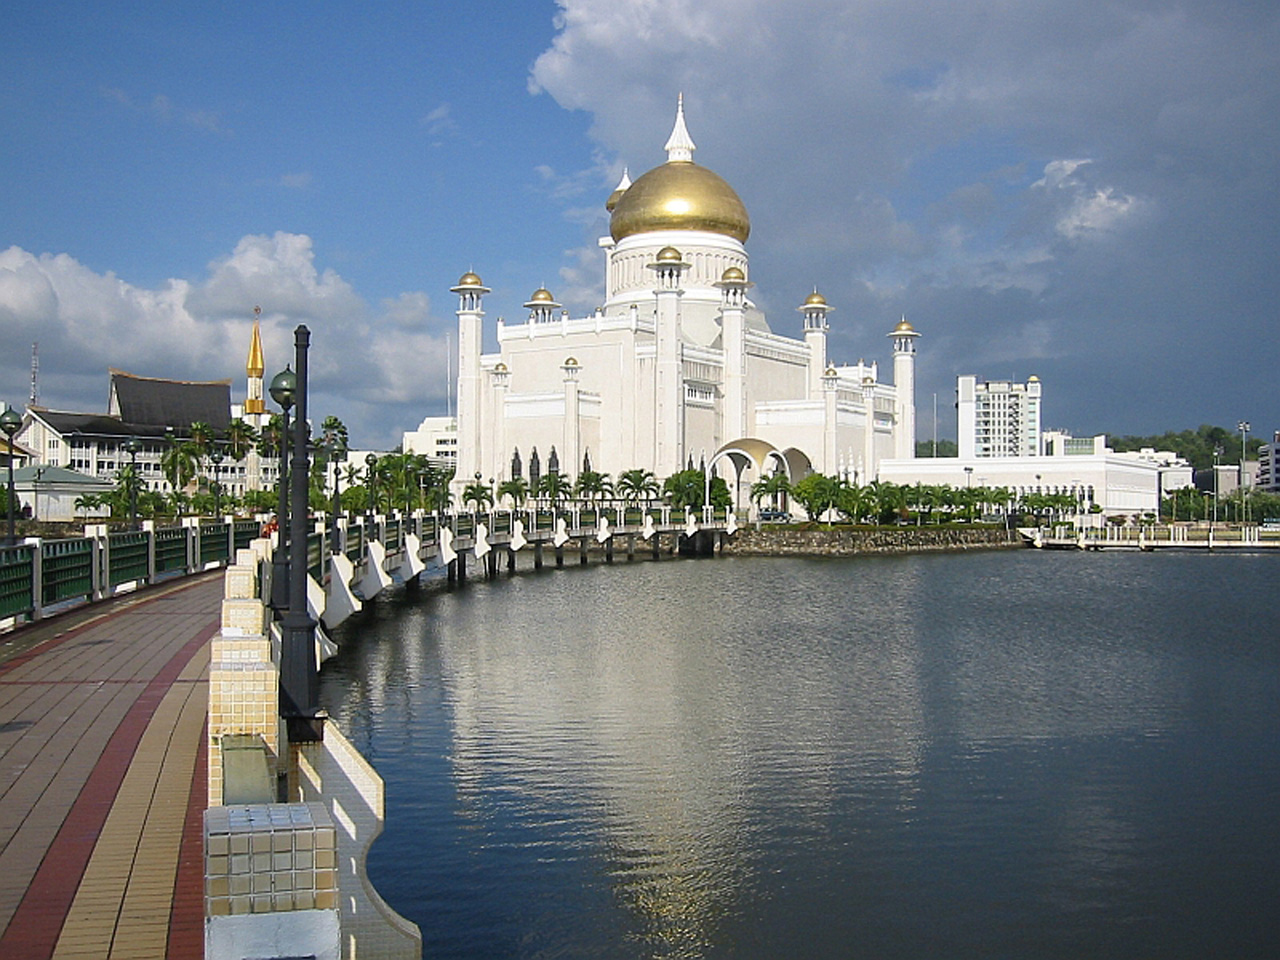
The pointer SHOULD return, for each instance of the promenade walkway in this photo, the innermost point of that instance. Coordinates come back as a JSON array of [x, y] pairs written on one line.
[[102, 777]]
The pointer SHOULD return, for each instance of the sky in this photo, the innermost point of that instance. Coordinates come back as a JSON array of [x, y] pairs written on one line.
[[1087, 190]]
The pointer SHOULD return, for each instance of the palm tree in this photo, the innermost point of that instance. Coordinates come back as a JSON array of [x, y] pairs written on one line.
[[637, 484], [240, 438], [773, 486], [179, 464], [591, 485], [517, 488], [478, 495], [554, 487]]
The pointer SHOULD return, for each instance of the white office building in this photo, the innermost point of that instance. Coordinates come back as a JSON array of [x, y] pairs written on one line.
[[998, 418]]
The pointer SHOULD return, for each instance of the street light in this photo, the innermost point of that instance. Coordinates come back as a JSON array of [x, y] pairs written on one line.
[[10, 423], [371, 478], [1243, 426], [284, 386], [215, 457], [1217, 452], [337, 454], [133, 446]]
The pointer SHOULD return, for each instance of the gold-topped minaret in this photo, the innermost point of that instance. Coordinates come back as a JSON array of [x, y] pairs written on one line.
[[255, 368]]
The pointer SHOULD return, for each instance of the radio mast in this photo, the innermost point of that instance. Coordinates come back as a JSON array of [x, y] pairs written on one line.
[[35, 371]]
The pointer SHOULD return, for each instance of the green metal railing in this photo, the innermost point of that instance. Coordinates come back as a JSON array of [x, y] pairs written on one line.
[[214, 545], [17, 571], [128, 557], [355, 543], [171, 549], [315, 555], [66, 570], [245, 532]]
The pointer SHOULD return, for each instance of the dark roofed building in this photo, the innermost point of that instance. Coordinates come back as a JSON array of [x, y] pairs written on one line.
[[169, 403]]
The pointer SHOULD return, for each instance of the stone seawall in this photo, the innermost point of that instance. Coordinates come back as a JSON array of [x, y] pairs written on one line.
[[777, 541]]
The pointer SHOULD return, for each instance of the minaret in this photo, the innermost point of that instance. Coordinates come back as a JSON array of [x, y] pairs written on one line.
[[255, 407], [830, 420], [470, 291], [572, 413], [869, 471], [733, 339], [815, 311], [904, 385], [542, 306], [669, 369]]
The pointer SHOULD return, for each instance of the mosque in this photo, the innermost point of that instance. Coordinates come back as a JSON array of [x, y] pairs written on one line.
[[678, 368]]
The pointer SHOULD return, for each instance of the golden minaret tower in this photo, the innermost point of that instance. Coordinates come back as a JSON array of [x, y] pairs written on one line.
[[254, 403]]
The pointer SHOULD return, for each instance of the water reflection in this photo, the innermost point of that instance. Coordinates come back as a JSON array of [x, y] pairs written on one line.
[[732, 757]]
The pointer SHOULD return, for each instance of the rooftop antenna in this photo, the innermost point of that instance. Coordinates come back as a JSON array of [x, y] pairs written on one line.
[[35, 371]]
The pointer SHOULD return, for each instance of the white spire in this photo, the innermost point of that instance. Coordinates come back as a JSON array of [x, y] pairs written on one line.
[[625, 182], [679, 145]]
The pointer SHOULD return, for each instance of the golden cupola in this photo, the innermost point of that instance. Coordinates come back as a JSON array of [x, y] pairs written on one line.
[[678, 195]]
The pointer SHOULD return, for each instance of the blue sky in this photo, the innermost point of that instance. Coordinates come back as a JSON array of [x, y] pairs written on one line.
[[1086, 191]]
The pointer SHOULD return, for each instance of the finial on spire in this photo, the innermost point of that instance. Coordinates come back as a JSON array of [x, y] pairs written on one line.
[[680, 145]]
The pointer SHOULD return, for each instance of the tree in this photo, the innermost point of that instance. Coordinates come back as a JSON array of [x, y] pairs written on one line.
[[685, 489], [946, 448], [240, 439], [478, 495], [772, 487], [592, 485], [636, 485], [554, 487], [179, 464], [853, 501], [516, 489], [816, 493]]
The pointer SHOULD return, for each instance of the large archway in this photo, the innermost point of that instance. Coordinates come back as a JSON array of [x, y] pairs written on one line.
[[754, 459]]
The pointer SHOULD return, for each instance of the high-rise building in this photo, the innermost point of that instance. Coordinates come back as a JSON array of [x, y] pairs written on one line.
[[998, 418]]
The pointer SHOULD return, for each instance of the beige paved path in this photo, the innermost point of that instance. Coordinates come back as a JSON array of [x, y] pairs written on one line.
[[102, 718]]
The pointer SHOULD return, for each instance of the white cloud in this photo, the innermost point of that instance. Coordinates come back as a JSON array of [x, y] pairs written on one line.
[[162, 109], [381, 370]]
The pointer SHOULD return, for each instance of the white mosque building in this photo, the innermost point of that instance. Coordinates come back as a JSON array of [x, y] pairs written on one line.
[[678, 367]]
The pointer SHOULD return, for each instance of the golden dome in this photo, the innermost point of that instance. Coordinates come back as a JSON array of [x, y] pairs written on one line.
[[571, 362], [1033, 379], [669, 255], [469, 279], [815, 299], [680, 195], [733, 275], [500, 367], [903, 326], [542, 295]]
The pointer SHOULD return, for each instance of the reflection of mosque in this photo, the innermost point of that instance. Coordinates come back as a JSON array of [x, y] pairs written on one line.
[[669, 749], [678, 367]]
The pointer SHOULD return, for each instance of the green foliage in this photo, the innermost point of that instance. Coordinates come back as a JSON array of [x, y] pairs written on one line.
[[816, 493], [1196, 446], [636, 485]]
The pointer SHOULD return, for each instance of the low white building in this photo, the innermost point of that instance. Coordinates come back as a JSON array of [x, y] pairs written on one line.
[[1120, 485], [436, 439], [50, 493]]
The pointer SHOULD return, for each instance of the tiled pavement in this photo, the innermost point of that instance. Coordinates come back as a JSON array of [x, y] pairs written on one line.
[[102, 719]]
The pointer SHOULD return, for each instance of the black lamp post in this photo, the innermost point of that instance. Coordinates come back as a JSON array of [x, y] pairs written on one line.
[[371, 461], [337, 455], [10, 423], [215, 457], [299, 676], [283, 387], [133, 446]]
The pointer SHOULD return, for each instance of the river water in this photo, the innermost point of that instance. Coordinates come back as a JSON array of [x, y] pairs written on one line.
[[993, 754]]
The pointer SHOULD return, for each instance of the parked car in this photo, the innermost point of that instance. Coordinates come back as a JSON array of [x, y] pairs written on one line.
[[779, 516]]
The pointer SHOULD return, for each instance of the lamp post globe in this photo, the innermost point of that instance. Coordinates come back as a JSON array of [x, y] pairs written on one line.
[[284, 385], [10, 423]]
